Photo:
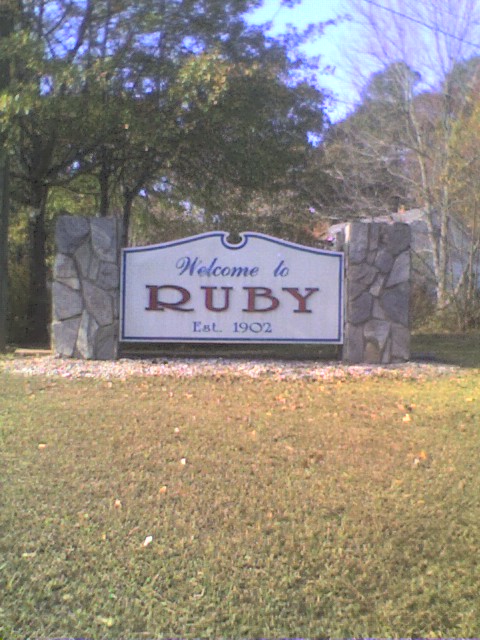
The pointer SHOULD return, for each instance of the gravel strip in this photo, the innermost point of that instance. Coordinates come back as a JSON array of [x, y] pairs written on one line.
[[191, 367]]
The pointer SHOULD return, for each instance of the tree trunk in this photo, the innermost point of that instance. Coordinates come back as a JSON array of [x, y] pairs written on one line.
[[4, 210], [6, 28], [442, 286], [39, 298], [127, 213], [103, 180]]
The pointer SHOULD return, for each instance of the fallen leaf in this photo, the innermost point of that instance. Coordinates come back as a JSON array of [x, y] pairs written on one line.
[[420, 457], [108, 622], [406, 418], [163, 489], [147, 541]]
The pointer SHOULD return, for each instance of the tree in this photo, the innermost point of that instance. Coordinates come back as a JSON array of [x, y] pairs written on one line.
[[210, 122], [6, 28], [417, 47], [366, 155], [41, 118], [126, 92], [463, 180], [255, 145]]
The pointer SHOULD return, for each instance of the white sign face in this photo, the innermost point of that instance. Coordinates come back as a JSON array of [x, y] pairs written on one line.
[[203, 289]]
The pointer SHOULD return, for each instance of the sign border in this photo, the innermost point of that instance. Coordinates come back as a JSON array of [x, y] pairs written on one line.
[[245, 236]]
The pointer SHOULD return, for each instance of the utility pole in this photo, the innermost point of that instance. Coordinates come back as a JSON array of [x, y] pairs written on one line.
[[6, 28]]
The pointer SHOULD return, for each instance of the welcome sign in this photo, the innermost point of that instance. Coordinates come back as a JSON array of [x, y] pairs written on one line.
[[203, 289]]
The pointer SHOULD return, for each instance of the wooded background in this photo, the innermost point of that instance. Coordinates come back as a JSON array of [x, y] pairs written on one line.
[[179, 116]]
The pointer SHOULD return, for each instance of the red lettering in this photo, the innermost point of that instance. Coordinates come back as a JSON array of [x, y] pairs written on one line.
[[154, 304], [302, 300], [209, 298], [259, 299], [260, 292]]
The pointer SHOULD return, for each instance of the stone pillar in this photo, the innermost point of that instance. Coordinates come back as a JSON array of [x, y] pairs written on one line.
[[377, 296], [86, 288]]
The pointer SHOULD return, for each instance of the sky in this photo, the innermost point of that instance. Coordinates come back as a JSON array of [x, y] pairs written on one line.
[[332, 46], [430, 36]]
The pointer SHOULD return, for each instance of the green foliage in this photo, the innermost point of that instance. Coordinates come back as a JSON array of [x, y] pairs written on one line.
[[462, 314], [108, 101], [78, 198], [261, 147], [19, 279], [422, 305], [184, 89], [158, 220]]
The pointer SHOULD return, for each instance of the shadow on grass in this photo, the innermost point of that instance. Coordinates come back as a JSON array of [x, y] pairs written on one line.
[[458, 349], [252, 351]]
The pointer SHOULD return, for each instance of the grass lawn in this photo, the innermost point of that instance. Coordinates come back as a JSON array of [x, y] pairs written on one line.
[[234, 507], [461, 349]]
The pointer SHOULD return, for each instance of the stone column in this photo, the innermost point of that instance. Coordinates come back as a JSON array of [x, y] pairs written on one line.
[[86, 288], [377, 296]]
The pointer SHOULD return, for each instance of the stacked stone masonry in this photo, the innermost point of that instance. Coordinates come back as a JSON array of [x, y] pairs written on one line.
[[377, 259], [86, 288]]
